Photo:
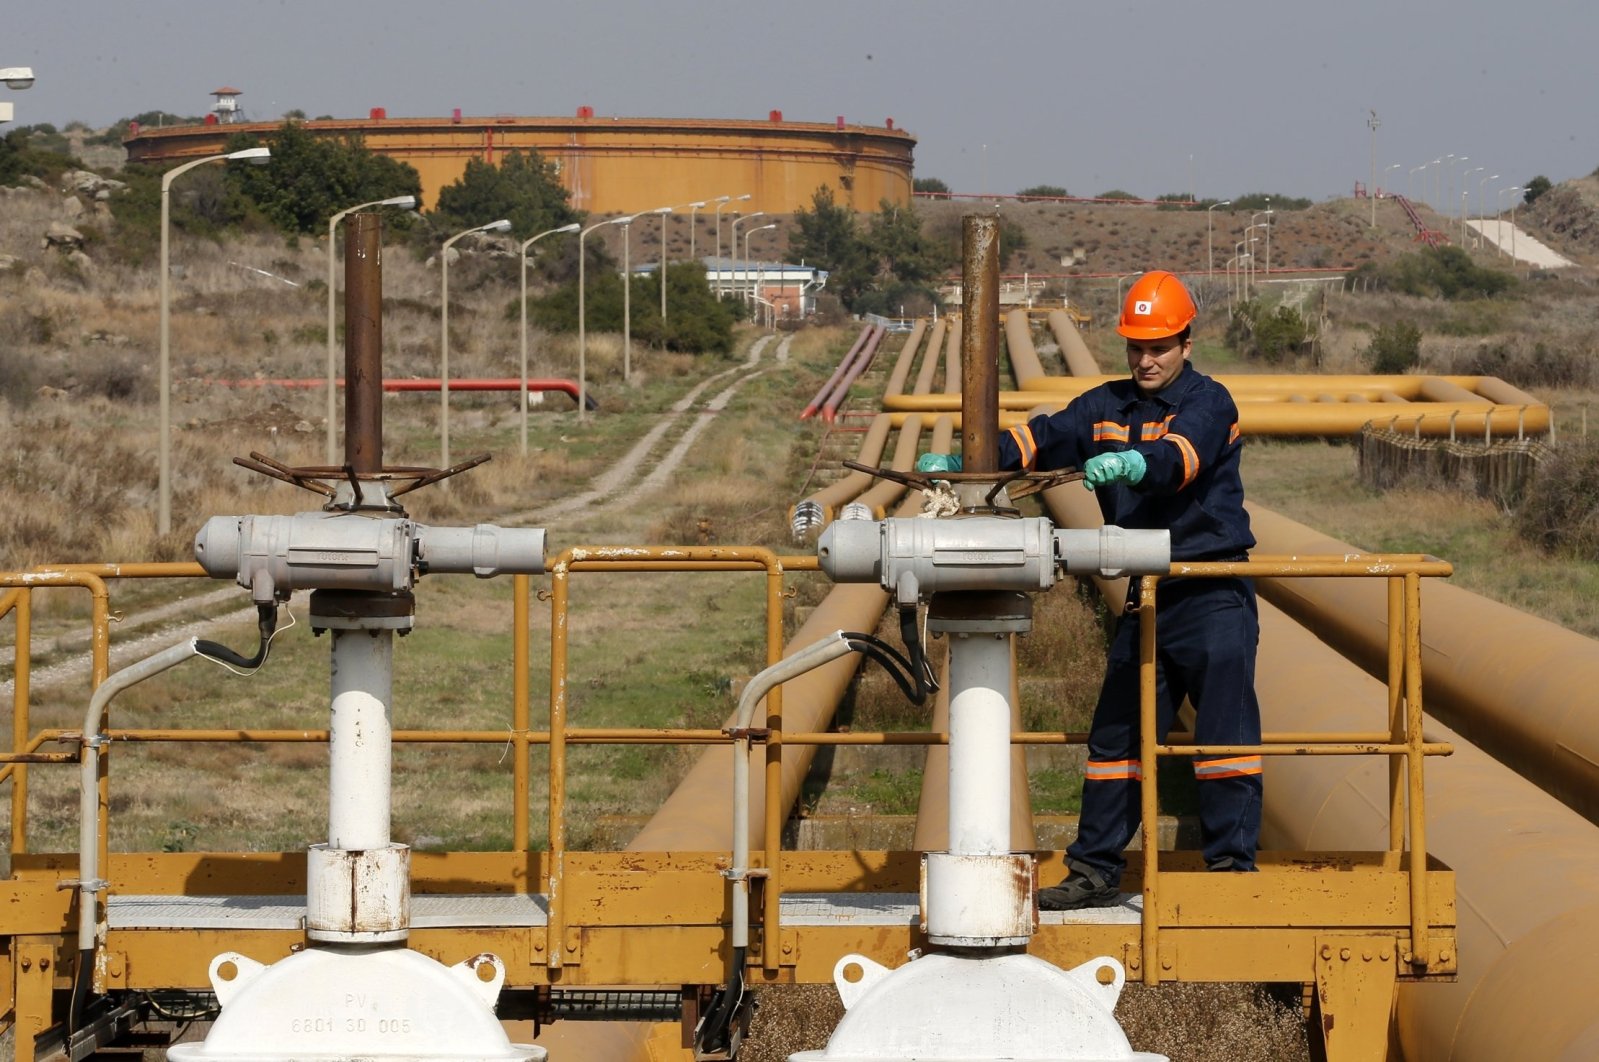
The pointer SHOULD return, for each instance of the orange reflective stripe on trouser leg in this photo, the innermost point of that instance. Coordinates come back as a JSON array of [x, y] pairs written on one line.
[[1229, 767], [1112, 771]]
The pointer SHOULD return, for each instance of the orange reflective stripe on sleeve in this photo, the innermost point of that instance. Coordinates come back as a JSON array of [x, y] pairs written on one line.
[[1158, 430], [1110, 431], [1026, 447], [1112, 771], [1190, 458], [1233, 434], [1231, 767]]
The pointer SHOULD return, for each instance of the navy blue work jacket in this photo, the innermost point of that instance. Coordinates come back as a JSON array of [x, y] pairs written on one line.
[[1188, 434]]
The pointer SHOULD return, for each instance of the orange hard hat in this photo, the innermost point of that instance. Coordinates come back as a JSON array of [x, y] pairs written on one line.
[[1157, 306]]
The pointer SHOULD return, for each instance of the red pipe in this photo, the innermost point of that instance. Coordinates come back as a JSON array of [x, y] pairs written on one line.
[[868, 352], [821, 396], [509, 383]]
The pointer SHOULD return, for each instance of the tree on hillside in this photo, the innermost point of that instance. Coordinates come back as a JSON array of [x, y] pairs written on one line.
[[696, 321], [522, 188], [930, 185], [24, 153], [905, 262], [1263, 200], [1044, 191], [311, 178], [825, 236], [1535, 188]]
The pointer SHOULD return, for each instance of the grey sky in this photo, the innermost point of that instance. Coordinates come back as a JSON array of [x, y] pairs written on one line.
[[1219, 98]]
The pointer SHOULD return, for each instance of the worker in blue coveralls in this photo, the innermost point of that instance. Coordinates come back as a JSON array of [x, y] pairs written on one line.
[[1161, 450]]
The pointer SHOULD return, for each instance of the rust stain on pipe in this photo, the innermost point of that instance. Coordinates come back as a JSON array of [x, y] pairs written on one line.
[[363, 343], [980, 344]]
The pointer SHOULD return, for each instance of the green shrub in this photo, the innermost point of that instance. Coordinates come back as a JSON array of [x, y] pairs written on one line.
[[1394, 348], [26, 154], [1253, 201], [1560, 513], [1270, 335], [930, 185], [1044, 191], [1436, 272], [1531, 363]]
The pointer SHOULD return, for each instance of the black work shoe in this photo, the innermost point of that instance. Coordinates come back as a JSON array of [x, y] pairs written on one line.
[[1083, 887]]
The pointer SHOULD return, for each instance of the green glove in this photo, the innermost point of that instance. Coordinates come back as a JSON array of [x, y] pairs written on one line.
[[1101, 470], [938, 463]]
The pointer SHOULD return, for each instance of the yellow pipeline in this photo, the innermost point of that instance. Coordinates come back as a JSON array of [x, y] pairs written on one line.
[[907, 354], [1080, 361], [1528, 915], [833, 496], [1518, 686], [1287, 418]]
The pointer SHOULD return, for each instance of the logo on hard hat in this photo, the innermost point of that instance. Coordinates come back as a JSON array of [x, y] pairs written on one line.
[[1143, 308]]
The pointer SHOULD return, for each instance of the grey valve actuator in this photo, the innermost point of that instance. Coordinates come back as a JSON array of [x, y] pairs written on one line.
[[273, 556], [913, 556]]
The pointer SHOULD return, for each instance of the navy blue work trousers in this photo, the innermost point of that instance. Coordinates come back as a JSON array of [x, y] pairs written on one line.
[[1206, 635]]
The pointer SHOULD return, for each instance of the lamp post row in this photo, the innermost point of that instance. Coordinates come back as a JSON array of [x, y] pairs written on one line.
[[13, 77]]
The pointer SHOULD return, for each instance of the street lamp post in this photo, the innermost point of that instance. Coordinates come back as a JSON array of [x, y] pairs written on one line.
[[1465, 198], [755, 295], [739, 221], [258, 155], [1513, 257], [502, 225], [1210, 255], [1268, 237], [1415, 170], [627, 285], [1251, 239], [1499, 222], [1448, 179], [405, 202], [1482, 205], [522, 305], [722, 201], [693, 208], [1391, 168], [1238, 255], [1371, 192], [1432, 200], [582, 315], [1235, 260], [663, 211]]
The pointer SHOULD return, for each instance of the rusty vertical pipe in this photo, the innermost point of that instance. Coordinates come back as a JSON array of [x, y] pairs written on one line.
[[980, 344], [363, 343]]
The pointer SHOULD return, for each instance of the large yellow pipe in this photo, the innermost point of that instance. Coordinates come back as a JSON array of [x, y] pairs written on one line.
[[1080, 361], [1525, 866], [1518, 686], [1283, 417], [902, 364]]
